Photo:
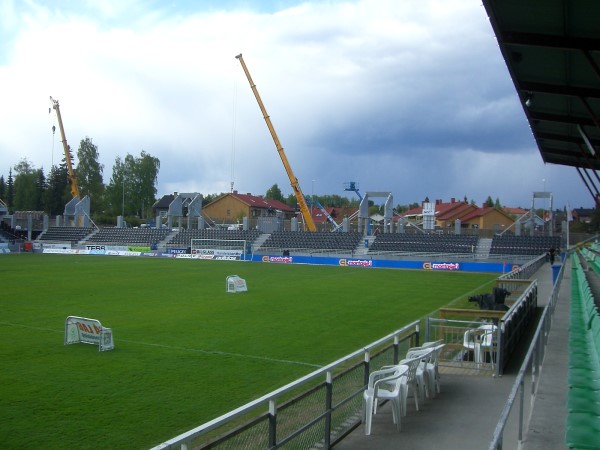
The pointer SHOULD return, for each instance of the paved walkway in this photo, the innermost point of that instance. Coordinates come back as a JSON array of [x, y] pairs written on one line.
[[465, 413]]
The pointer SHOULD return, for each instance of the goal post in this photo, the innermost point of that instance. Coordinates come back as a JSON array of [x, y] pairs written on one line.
[[219, 249]]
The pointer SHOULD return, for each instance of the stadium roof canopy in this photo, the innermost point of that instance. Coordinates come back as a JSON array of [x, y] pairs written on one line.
[[552, 51]]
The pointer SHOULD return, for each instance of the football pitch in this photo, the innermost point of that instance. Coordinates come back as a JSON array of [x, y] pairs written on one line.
[[185, 350]]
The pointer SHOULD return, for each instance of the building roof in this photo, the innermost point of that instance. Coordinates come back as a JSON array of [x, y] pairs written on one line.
[[479, 212], [442, 209], [515, 211], [552, 51], [260, 202], [164, 201]]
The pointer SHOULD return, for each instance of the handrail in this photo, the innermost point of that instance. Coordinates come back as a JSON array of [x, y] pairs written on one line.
[[267, 399], [534, 355]]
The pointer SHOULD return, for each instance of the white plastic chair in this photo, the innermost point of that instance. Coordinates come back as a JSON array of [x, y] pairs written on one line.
[[378, 380], [488, 342], [480, 340], [409, 380], [422, 375], [433, 372]]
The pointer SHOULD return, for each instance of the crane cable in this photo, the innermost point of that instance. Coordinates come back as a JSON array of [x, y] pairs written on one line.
[[233, 131], [53, 138]]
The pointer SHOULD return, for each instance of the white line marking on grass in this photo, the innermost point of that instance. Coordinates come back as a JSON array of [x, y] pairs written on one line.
[[30, 327], [220, 353], [197, 350]]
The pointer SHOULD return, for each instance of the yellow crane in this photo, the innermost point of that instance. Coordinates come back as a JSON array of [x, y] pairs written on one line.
[[72, 178], [308, 221]]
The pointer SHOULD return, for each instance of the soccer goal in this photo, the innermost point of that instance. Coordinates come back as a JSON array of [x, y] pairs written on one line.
[[88, 331], [234, 283], [220, 249]]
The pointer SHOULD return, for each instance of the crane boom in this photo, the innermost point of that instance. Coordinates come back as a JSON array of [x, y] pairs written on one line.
[[308, 220], [72, 178]]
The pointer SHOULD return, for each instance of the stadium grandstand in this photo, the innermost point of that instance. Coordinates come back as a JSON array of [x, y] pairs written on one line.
[[128, 236], [385, 245]]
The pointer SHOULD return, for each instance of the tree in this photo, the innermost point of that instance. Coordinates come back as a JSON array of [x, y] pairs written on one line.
[[291, 201], [497, 203], [40, 190], [274, 193], [132, 187], [25, 186], [89, 174], [58, 192], [489, 202], [10, 189], [2, 187]]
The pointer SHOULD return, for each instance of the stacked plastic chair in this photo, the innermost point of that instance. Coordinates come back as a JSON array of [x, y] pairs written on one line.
[[583, 401]]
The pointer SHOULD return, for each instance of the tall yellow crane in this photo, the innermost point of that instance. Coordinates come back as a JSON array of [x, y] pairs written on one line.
[[308, 221], [72, 178]]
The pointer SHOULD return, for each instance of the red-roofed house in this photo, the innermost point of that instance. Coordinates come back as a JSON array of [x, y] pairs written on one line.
[[233, 207], [471, 216], [445, 212], [517, 212]]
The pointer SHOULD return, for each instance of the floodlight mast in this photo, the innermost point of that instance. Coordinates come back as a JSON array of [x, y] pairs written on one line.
[[72, 178], [308, 221]]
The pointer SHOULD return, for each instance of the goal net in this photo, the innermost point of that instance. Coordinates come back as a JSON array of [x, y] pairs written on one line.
[[219, 249]]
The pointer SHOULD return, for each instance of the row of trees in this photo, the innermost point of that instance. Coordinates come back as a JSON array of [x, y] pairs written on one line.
[[131, 190]]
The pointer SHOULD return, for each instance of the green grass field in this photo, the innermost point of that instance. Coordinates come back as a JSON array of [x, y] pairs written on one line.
[[185, 350]]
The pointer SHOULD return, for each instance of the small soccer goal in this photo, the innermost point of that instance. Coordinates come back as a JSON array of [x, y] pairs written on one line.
[[88, 331], [219, 249], [235, 284]]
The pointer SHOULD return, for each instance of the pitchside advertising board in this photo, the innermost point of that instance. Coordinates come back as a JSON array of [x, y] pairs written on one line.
[[238, 254], [88, 331], [217, 254]]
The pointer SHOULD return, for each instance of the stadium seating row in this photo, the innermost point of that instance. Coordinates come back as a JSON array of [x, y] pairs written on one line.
[[73, 234], [184, 237], [583, 400], [426, 243], [523, 245], [318, 240], [128, 236]]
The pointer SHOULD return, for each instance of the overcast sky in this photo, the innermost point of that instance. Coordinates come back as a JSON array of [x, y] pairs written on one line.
[[402, 96]]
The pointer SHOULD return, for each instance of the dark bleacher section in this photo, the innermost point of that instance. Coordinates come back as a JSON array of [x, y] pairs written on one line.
[[319, 240], [424, 243], [71, 234], [523, 245], [145, 236], [184, 237]]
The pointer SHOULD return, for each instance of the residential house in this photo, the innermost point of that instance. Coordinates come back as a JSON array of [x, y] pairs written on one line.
[[233, 207]]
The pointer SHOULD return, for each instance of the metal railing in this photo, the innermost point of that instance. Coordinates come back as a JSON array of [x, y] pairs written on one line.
[[511, 326], [526, 270], [532, 363], [315, 411]]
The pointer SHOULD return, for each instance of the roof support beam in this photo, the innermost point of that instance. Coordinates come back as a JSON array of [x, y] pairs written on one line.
[[556, 89], [595, 195], [550, 41]]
